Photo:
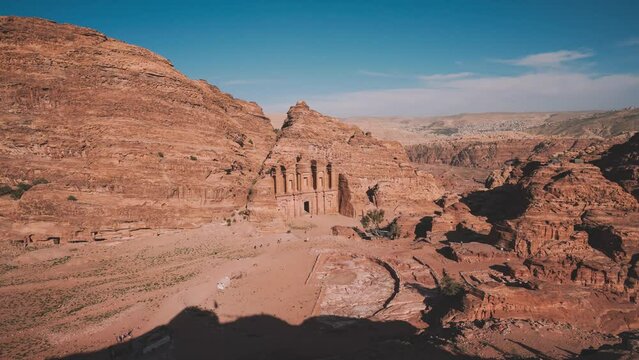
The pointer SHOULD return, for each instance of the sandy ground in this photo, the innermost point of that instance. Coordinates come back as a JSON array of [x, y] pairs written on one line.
[[49, 293], [57, 300]]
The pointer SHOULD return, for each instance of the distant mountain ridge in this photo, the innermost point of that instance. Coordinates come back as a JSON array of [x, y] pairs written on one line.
[[414, 130]]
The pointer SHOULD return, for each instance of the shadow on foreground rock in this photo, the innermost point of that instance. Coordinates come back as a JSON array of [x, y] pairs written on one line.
[[198, 334], [501, 203]]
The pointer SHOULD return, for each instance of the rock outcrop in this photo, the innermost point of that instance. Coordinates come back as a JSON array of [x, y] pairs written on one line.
[[568, 241], [372, 173], [626, 349], [576, 226], [602, 124], [114, 138], [621, 165], [491, 153]]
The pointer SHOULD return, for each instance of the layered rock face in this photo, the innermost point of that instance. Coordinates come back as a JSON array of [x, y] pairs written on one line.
[[135, 142], [568, 247], [493, 153], [370, 173], [621, 165], [576, 226], [603, 124]]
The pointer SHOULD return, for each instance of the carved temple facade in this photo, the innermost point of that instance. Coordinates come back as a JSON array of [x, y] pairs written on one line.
[[306, 189]]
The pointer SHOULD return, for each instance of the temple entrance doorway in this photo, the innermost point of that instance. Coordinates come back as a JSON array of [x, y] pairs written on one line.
[[307, 207]]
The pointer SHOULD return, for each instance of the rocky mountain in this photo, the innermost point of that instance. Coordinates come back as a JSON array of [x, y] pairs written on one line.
[[371, 172], [603, 124], [415, 130], [487, 140], [492, 152], [584, 124], [621, 165], [568, 240], [110, 138], [574, 229]]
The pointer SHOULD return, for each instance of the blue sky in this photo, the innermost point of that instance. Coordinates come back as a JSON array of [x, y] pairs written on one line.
[[384, 57]]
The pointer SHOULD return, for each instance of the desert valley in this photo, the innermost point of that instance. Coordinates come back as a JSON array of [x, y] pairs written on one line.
[[147, 215]]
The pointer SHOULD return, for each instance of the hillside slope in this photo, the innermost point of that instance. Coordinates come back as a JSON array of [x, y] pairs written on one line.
[[605, 124], [372, 172], [119, 130]]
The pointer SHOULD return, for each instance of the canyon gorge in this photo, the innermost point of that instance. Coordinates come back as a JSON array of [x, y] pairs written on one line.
[[146, 215]]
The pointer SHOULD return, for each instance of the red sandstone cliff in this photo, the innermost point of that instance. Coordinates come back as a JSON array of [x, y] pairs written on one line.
[[575, 226], [491, 153], [371, 172], [575, 242], [621, 165], [136, 142]]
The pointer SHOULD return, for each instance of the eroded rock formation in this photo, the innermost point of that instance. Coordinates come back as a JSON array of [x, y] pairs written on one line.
[[577, 226], [568, 242], [621, 165], [363, 163], [491, 153], [116, 128]]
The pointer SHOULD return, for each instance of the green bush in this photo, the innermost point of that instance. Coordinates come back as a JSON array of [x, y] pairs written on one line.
[[449, 287], [72, 198], [39, 181], [161, 154], [395, 230], [366, 221], [16, 193], [24, 186], [193, 158], [373, 217], [5, 189]]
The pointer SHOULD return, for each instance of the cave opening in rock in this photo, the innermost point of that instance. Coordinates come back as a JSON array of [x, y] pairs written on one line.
[[307, 207]]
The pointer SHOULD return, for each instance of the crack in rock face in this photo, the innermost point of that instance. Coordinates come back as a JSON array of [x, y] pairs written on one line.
[[352, 286]]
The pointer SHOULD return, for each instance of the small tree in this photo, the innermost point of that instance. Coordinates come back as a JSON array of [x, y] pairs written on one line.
[[24, 186], [5, 189], [373, 217], [17, 193], [39, 181], [395, 230], [449, 287], [366, 221], [193, 157], [72, 198]]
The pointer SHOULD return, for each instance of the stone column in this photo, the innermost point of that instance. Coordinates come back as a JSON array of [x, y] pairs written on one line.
[[304, 176], [321, 176], [285, 177], [278, 181], [332, 176]]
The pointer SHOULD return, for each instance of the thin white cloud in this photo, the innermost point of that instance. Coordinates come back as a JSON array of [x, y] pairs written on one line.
[[630, 42], [433, 77], [377, 74], [445, 77], [544, 91], [245, 82], [549, 59]]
